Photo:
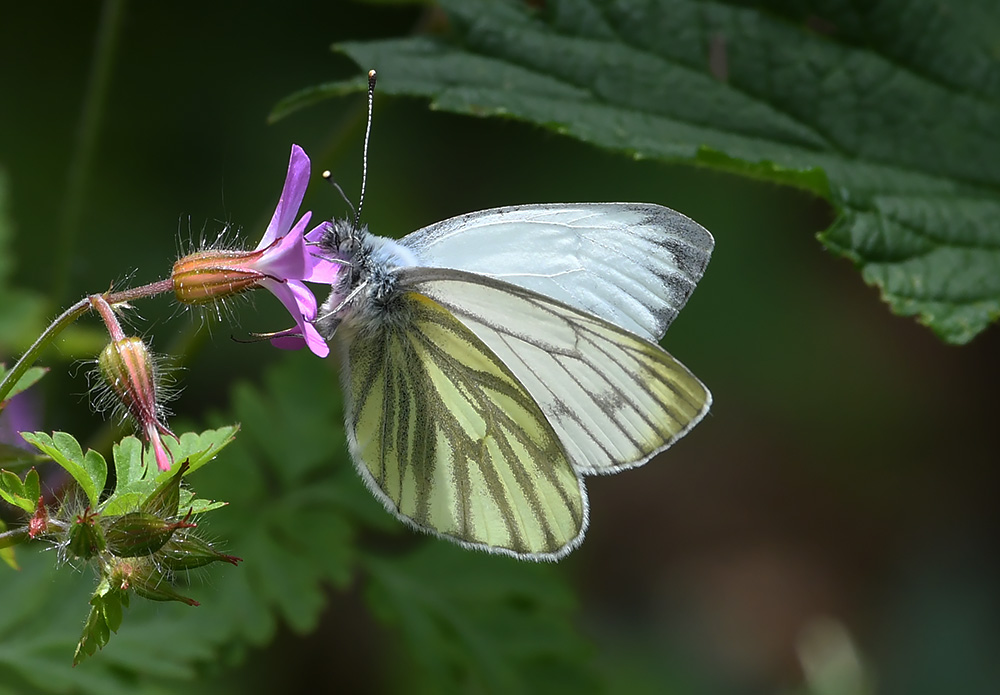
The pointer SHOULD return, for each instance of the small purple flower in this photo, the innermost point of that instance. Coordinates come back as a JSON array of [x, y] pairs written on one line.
[[281, 263]]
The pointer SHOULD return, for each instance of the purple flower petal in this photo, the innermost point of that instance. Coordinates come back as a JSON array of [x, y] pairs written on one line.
[[287, 257], [301, 304], [292, 194], [319, 268]]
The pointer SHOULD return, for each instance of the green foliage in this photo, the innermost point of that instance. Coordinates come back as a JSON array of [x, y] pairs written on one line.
[[136, 481], [106, 612], [21, 494], [470, 622], [897, 132], [89, 470], [139, 536], [297, 509]]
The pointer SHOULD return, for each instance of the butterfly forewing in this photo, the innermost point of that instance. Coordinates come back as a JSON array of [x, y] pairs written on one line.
[[450, 440], [613, 398], [633, 264]]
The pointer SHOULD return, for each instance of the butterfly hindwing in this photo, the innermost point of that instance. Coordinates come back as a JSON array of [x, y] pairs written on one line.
[[451, 442], [613, 398]]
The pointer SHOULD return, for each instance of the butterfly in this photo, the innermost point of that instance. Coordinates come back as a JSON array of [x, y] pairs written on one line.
[[493, 360]]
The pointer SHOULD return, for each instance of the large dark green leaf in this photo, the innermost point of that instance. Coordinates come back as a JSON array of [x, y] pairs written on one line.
[[889, 110]]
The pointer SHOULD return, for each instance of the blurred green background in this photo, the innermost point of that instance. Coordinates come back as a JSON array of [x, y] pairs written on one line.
[[840, 498]]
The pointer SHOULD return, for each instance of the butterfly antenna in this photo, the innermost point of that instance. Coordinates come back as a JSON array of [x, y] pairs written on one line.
[[364, 165], [328, 176]]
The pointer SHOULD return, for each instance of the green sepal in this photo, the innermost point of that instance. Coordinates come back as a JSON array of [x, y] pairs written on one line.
[[164, 500], [187, 552]]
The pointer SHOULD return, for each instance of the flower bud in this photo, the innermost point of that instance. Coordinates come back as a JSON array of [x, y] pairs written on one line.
[[141, 576], [86, 539], [206, 276], [187, 552], [127, 367], [140, 533], [129, 370]]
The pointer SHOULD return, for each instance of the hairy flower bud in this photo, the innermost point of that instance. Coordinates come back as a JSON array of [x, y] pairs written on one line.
[[140, 533], [207, 276], [128, 368], [86, 539], [187, 552], [141, 576]]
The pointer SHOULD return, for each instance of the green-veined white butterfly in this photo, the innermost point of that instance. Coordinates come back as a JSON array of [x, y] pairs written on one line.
[[492, 360]]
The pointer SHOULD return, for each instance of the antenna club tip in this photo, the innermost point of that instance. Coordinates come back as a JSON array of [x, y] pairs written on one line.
[[371, 74], [326, 174]]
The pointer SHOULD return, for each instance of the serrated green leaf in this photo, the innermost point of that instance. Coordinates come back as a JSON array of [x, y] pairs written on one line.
[[89, 470], [32, 486], [903, 130], [199, 449], [13, 490], [23, 494], [126, 502], [194, 506], [137, 481]]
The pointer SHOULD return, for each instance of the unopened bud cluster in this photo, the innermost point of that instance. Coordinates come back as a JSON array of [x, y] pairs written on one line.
[[141, 550]]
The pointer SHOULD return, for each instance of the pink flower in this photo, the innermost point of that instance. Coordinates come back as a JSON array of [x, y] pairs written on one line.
[[282, 262]]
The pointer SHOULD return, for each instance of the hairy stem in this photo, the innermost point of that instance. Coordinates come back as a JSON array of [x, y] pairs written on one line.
[[68, 317], [47, 336]]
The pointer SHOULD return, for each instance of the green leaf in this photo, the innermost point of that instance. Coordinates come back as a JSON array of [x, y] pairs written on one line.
[[21, 494], [480, 623], [89, 470], [137, 481], [199, 449], [129, 466], [903, 129], [105, 617]]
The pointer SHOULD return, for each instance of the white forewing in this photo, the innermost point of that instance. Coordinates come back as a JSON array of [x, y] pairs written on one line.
[[613, 398], [632, 264]]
